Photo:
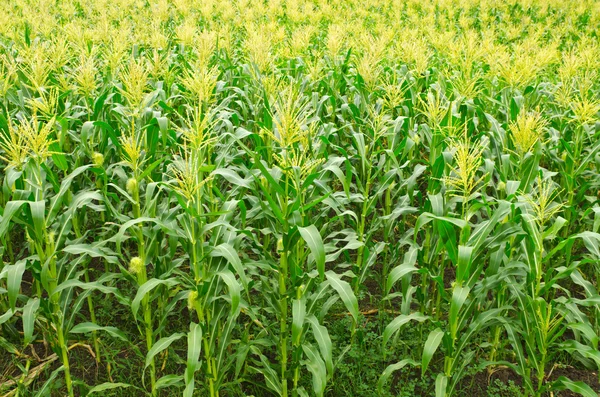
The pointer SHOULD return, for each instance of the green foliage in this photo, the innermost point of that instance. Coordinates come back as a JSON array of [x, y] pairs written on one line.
[[299, 198]]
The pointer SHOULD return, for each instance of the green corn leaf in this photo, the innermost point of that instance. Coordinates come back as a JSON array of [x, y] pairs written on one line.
[[302, 392], [7, 316], [390, 369], [588, 287], [431, 345], [38, 215], [58, 158], [91, 286], [427, 217], [146, 288], [298, 316], [57, 199], [584, 162], [10, 210], [335, 169], [193, 358], [148, 170], [14, 275], [553, 230], [484, 229], [234, 290], [529, 169], [315, 202], [119, 238], [441, 383], [447, 234], [400, 271], [271, 378], [160, 345], [316, 366], [314, 241], [85, 328], [588, 332], [521, 360], [579, 387], [272, 182], [345, 292], [108, 386], [588, 352], [591, 241], [233, 177], [92, 251], [397, 323], [272, 203], [47, 387], [465, 255], [459, 296], [29, 313], [324, 341], [228, 252], [168, 381]]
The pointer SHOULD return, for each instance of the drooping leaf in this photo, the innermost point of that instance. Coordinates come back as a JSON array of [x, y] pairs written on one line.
[[14, 275], [108, 386], [390, 369], [29, 313], [324, 341], [345, 292], [314, 241], [84, 328], [160, 345], [316, 366], [430, 347], [397, 323]]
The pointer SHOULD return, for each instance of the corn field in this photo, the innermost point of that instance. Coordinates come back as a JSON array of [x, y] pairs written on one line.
[[299, 198]]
